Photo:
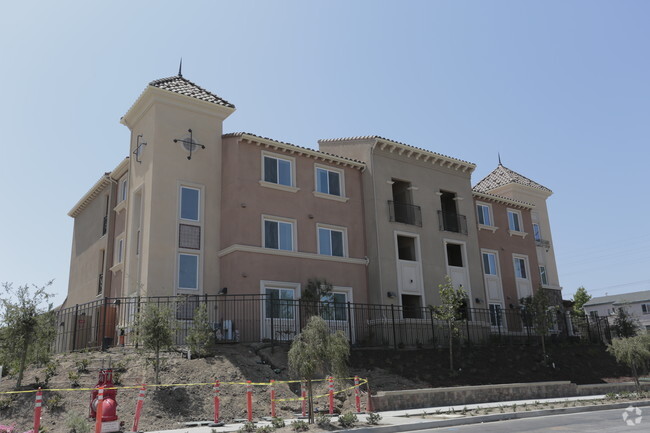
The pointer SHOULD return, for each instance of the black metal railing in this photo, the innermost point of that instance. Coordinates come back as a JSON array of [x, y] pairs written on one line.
[[543, 243], [254, 318], [452, 222], [404, 213]]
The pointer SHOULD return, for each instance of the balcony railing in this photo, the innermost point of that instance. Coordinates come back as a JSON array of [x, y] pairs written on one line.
[[543, 243], [452, 222], [405, 213], [105, 225]]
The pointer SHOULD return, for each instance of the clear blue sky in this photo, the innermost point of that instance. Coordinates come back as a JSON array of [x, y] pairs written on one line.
[[560, 88]]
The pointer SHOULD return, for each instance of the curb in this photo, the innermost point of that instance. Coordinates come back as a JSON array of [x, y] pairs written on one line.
[[467, 420]]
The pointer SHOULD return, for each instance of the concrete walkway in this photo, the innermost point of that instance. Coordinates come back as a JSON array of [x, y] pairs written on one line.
[[413, 419]]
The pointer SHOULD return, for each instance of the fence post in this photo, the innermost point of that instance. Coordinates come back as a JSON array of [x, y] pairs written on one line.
[[392, 314], [433, 329], [299, 315], [467, 328], [600, 337], [74, 330], [137, 332], [37, 409], [272, 321], [103, 334], [349, 322]]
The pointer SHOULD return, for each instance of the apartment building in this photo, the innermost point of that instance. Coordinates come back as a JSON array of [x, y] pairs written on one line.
[[507, 183], [637, 304], [420, 222]]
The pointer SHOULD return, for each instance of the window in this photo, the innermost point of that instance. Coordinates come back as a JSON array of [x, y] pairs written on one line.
[[331, 242], [124, 188], [455, 255], [119, 251], [406, 248], [489, 264], [333, 306], [520, 268], [645, 308], [328, 181], [188, 271], [542, 275], [593, 314], [190, 203], [536, 232], [279, 303], [278, 235], [514, 221], [495, 315], [411, 307], [278, 170], [483, 212]]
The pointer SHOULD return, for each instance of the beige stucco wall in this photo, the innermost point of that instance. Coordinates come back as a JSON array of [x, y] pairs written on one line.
[[245, 201], [429, 179], [161, 117], [506, 245]]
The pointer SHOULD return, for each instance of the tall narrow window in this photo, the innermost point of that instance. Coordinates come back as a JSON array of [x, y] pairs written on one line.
[[119, 251], [542, 275], [278, 170], [278, 235], [328, 181], [514, 221], [536, 232], [188, 271], [520, 268], [483, 212], [331, 242], [124, 188], [489, 264], [495, 315], [190, 203]]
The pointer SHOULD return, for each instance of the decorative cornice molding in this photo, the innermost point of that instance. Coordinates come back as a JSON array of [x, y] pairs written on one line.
[[296, 254]]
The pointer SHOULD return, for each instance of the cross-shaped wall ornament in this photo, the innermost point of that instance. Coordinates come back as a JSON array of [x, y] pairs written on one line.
[[189, 143]]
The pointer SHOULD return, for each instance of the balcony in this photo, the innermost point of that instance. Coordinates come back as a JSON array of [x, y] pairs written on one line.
[[405, 213], [452, 222], [543, 243]]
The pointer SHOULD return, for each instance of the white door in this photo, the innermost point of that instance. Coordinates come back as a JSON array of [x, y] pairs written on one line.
[[334, 310], [522, 277], [280, 314], [492, 277]]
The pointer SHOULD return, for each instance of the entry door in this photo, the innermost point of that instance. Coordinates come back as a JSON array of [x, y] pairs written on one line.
[[334, 310], [280, 314]]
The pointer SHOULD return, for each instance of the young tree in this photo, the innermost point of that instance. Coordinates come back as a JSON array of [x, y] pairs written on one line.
[[633, 352], [200, 338], [316, 290], [25, 330], [580, 298], [452, 300], [316, 351], [540, 312], [156, 331], [625, 324]]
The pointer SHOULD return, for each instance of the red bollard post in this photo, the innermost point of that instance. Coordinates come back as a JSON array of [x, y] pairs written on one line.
[[357, 394], [331, 394], [37, 409], [249, 400], [138, 408], [216, 401], [303, 394], [99, 410], [273, 398]]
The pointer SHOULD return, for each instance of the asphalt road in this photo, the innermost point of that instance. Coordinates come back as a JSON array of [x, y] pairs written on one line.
[[609, 421]]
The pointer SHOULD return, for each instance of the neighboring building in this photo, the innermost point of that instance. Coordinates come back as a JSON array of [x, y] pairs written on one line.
[[637, 304], [508, 252], [507, 183], [420, 222]]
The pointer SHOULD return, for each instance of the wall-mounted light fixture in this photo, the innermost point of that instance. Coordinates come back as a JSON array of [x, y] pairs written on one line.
[[138, 148], [477, 300], [392, 295], [223, 291]]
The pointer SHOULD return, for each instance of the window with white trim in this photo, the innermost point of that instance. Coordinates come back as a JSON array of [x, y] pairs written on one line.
[[496, 315], [278, 234], [542, 275], [520, 268], [333, 306], [489, 264], [119, 251], [190, 203], [536, 233], [331, 241], [277, 170], [124, 188], [645, 308], [328, 181], [279, 303], [514, 220], [188, 271], [484, 214]]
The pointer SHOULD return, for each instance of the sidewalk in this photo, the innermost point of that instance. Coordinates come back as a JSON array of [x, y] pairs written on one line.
[[413, 419]]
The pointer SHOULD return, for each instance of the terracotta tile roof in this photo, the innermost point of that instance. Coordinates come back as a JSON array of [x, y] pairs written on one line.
[[182, 86], [305, 150], [503, 176]]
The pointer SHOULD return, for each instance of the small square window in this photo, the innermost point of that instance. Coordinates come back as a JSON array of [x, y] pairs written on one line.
[[278, 235], [190, 203], [331, 242], [188, 271], [328, 181], [278, 170]]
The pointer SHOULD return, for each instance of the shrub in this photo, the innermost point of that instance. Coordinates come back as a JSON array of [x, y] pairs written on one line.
[[373, 418], [73, 376], [247, 427], [323, 421], [348, 420], [277, 422], [82, 365], [120, 367], [265, 429], [299, 426], [54, 403], [78, 424]]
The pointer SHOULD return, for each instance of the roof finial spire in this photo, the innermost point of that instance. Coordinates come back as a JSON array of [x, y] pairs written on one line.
[[180, 68], [498, 153]]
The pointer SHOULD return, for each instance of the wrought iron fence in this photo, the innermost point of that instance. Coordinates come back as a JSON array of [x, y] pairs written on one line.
[[254, 318]]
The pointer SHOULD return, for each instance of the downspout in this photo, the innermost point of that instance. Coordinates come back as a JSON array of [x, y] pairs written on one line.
[[375, 207]]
